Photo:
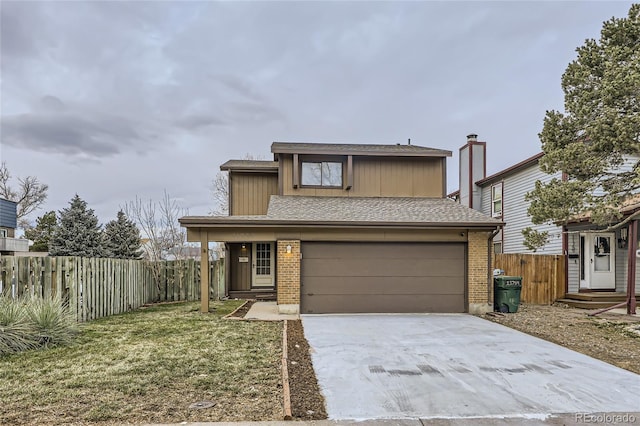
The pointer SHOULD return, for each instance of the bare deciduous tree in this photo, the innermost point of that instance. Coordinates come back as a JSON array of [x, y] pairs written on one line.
[[158, 222], [30, 193], [220, 189]]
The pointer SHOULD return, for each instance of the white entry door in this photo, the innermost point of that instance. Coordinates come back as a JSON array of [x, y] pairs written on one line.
[[598, 261], [263, 267]]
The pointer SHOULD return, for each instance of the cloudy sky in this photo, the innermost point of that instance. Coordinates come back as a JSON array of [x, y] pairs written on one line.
[[113, 100]]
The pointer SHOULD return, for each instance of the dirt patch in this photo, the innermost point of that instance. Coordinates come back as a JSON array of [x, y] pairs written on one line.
[[608, 337], [242, 310], [307, 402]]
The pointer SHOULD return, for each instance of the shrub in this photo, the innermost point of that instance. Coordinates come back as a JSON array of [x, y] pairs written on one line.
[[16, 334], [51, 321], [33, 322]]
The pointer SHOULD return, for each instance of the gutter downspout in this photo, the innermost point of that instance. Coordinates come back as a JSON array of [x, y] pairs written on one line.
[[489, 271]]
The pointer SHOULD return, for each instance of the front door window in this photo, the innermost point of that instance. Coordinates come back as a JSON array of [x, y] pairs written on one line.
[[602, 252]]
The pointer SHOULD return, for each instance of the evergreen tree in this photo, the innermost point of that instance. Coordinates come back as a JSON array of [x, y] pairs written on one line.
[[121, 239], [43, 231], [78, 233], [596, 141]]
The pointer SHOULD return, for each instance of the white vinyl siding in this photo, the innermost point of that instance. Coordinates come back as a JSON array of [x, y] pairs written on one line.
[[514, 211], [573, 275], [622, 260]]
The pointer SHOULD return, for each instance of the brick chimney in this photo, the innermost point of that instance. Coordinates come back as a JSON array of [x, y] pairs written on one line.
[[473, 167]]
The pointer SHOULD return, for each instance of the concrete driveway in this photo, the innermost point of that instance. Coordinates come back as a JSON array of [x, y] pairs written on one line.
[[455, 366]]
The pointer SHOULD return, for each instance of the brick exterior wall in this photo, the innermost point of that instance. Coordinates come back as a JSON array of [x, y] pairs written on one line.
[[288, 275], [477, 268]]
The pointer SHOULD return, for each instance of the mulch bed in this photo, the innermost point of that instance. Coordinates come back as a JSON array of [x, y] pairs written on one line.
[[307, 402], [608, 337]]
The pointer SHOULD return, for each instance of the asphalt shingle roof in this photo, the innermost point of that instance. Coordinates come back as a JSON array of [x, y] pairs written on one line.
[[250, 164], [370, 209], [359, 149]]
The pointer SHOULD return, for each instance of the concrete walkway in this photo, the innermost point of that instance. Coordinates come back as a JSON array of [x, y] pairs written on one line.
[[268, 311], [456, 367]]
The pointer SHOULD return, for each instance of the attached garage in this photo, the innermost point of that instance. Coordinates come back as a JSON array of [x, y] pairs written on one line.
[[361, 277]]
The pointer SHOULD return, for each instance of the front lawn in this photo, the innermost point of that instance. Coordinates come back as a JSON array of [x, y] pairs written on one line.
[[150, 366]]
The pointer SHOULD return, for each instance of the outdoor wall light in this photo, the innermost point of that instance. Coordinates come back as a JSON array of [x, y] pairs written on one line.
[[244, 247], [288, 248], [623, 241]]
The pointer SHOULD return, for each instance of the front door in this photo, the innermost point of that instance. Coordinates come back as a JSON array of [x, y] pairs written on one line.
[[597, 270], [263, 265]]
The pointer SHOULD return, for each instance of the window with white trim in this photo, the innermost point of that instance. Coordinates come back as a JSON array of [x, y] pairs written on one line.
[[321, 173], [496, 200], [497, 247]]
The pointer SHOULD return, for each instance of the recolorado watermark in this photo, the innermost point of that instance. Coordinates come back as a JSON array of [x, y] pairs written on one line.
[[609, 419]]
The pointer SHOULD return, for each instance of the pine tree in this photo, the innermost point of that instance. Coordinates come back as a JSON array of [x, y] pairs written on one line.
[[78, 232], [121, 239], [43, 231], [597, 133]]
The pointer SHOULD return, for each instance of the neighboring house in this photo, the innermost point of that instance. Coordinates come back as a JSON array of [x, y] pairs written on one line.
[[182, 253], [501, 195], [9, 245], [596, 261], [350, 228]]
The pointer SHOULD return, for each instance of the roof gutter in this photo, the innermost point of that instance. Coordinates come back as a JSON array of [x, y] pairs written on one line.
[[188, 222]]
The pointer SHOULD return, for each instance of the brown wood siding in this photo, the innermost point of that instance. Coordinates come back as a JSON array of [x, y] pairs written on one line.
[[250, 192], [379, 177], [240, 279], [383, 277]]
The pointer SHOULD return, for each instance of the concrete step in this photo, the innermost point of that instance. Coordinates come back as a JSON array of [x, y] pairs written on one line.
[[587, 304], [600, 297]]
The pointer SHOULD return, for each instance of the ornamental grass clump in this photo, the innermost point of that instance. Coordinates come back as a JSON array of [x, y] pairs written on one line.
[[16, 334], [51, 321], [32, 323]]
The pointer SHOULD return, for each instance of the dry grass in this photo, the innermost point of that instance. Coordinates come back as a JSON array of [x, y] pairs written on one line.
[[149, 366]]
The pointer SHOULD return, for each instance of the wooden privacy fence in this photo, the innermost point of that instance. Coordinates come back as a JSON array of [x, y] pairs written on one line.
[[543, 276], [98, 287]]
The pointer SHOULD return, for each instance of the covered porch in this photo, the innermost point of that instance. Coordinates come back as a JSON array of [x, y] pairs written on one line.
[[602, 264]]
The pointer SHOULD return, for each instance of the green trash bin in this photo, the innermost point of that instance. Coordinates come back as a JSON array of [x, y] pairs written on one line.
[[506, 293]]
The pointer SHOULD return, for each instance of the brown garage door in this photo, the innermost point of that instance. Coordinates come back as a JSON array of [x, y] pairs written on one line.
[[382, 277]]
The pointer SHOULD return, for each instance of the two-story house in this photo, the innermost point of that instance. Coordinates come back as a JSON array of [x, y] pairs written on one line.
[[502, 195], [595, 261], [9, 244], [350, 228]]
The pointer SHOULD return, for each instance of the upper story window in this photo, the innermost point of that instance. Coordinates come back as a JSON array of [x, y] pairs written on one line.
[[496, 200], [3, 233], [322, 173]]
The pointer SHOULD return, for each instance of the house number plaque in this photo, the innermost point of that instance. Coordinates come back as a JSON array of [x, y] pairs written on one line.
[[243, 259]]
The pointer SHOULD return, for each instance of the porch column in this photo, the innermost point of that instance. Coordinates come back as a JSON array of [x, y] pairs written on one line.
[[204, 271]]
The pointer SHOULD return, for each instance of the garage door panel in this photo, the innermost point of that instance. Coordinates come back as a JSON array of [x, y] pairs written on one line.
[[373, 251], [382, 267], [383, 277], [383, 285], [331, 304]]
